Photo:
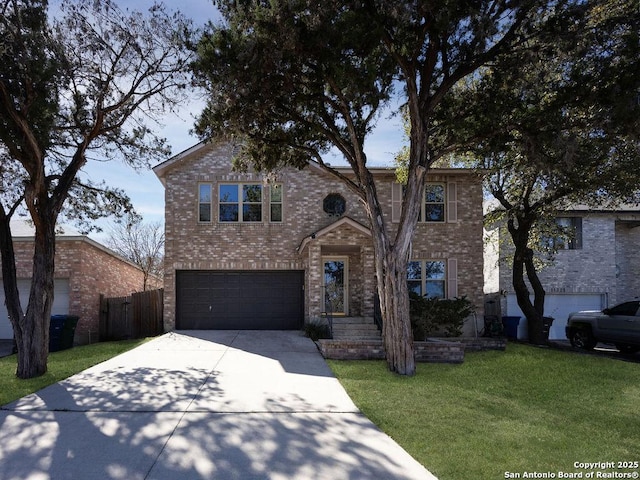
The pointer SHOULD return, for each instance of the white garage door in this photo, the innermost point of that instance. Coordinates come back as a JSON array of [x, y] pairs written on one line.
[[558, 306], [60, 303]]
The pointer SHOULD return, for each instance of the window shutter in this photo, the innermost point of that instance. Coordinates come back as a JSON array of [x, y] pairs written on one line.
[[452, 278], [396, 202], [452, 202]]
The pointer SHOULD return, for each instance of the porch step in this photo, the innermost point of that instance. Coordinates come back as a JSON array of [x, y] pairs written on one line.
[[355, 329]]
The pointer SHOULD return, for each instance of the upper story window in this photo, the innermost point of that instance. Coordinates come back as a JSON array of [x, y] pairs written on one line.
[[571, 238], [439, 203], [275, 203], [204, 202], [433, 205], [427, 278], [567, 235], [240, 202], [334, 204]]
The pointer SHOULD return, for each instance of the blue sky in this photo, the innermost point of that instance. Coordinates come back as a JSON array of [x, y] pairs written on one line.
[[144, 188]]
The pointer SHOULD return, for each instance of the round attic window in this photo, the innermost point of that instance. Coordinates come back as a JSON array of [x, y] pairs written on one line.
[[334, 204]]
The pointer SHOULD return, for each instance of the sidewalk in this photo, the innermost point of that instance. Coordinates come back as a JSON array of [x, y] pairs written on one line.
[[200, 405]]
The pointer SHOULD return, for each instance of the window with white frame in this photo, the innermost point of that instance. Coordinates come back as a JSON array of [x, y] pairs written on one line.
[[204, 202], [240, 202], [427, 278], [275, 203]]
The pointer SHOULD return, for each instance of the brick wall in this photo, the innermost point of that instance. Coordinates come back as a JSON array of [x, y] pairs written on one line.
[[608, 262], [98, 272], [91, 271], [437, 351], [627, 261], [190, 244]]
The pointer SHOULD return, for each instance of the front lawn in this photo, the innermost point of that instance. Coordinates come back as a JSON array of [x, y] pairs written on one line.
[[61, 365], [523, 410]]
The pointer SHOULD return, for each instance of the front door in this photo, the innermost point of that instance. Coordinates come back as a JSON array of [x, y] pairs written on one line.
[[335, 285]]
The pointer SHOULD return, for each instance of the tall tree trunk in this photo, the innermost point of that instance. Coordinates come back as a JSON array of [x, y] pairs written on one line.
[[535, 327], [397, 336], [523, 262], [9, 277], [391, 274], [32, 330]]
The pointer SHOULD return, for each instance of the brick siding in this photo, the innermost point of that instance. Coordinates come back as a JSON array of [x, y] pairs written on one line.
[[608, 262], [192, 245], [91, 270], [438, 351]]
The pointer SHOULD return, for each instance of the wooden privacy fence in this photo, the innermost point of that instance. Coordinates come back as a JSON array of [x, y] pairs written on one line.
[[135, 316]]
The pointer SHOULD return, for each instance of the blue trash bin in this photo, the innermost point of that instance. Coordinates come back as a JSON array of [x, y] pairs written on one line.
[[56, 324], [510, 325], [62, 330]]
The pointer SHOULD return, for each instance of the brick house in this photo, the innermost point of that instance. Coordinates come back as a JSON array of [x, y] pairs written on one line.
[[84, 269], [595, 269], [244, 252]]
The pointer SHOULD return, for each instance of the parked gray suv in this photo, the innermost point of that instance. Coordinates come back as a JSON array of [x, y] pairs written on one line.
[[619, 325]]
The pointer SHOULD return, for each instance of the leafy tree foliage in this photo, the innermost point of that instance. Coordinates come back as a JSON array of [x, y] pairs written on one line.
[[83, 86], [291, 79], [553, 124]]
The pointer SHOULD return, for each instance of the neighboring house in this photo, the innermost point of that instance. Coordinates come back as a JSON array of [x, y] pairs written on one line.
[[597, 268], [84, 269], [249, 251]]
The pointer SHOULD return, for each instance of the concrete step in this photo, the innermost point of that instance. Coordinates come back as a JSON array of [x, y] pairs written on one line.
[[357, 339], [355, 326], [355, 329], [356, 333], [352, 321]]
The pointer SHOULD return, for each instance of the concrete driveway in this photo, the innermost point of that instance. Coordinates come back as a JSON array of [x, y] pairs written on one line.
[[200, 405]]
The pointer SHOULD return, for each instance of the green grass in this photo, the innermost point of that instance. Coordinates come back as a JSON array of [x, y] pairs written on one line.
[[61, 365], [523, 410]]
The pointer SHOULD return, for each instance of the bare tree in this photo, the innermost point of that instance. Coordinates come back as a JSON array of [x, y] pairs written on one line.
[[140, 243]]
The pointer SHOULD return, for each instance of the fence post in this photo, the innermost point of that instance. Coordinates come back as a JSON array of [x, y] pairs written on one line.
[[103, 318], [136, 316]]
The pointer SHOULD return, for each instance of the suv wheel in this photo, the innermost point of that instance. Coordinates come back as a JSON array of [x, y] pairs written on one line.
[[627, 349], [582, 338]]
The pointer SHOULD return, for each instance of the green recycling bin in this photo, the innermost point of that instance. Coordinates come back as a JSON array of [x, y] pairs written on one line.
[[62, 329]]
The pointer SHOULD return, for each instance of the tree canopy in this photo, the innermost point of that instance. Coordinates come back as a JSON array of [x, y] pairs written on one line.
[[290, 79], [555, 123], [85, 85]]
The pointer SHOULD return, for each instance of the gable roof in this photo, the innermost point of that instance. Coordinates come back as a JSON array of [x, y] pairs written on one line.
[[23, 227], [331, 227], [22, 230], [163, 168]]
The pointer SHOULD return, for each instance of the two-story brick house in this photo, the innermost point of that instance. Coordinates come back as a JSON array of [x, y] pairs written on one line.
[[246, 252], [597, 268]]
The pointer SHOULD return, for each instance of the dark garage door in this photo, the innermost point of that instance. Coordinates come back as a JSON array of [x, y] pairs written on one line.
[[242, 300]]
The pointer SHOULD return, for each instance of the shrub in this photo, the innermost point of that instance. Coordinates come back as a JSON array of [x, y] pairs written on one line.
[[438, 316], [317, 328]]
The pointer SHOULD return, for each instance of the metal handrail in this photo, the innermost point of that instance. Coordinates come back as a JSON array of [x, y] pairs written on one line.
[[377, 312], [328, 313]]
